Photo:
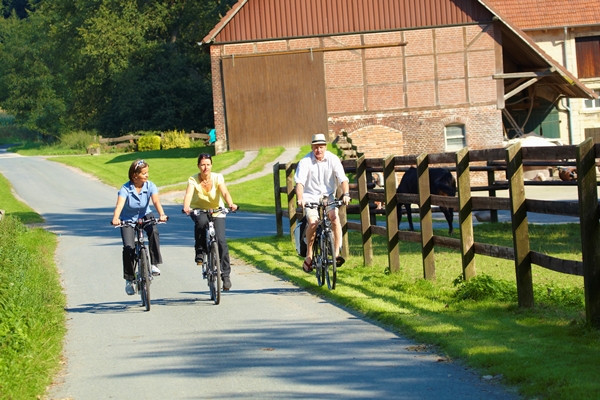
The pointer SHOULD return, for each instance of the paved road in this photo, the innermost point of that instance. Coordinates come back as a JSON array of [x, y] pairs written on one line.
[[267, 339]]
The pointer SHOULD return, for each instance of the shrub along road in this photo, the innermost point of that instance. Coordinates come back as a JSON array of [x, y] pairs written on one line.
[[267, 338]]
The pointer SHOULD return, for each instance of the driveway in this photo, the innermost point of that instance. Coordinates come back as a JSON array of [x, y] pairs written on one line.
[[267, 338]]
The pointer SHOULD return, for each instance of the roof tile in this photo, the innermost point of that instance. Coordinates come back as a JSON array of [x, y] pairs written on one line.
[[530, 14]]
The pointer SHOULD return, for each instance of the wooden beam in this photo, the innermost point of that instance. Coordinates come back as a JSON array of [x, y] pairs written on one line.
[[426, 217], [518, 213]]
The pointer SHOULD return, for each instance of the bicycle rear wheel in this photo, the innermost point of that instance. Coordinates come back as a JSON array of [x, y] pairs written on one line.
[[214, 279], [318, 260], [145, 274], [329, 263]]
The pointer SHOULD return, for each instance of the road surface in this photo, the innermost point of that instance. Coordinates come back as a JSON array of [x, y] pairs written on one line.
[[267, 338]]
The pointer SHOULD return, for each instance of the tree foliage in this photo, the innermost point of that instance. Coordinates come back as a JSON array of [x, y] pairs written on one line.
[[114, 66]]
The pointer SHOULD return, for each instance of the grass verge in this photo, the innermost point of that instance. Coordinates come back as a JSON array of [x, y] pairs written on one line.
[[547, 351], [32, 320], [167, 167]]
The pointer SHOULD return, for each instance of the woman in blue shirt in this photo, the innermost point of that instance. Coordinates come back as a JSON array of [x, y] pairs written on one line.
[[133, 203]]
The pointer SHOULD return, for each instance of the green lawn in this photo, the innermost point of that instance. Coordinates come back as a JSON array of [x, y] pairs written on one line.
[[546, 352], [166, 167], [32, 318]]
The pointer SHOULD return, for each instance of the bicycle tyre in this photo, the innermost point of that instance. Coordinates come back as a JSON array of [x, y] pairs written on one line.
[[329, 262], [215, 268], [145, 278], [318, 260]]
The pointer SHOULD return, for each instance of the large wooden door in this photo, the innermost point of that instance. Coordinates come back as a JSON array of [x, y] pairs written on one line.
[[274, 100]]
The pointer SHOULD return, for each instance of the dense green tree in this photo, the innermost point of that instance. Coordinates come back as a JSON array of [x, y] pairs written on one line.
[[114, 65], [29, 87], [21, 8]]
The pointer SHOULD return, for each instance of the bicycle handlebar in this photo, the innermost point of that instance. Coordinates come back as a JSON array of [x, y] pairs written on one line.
[[134, 223], [336, 203], [220, 210]]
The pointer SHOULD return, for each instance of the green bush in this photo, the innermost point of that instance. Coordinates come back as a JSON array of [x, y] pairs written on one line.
[[148, 142], [483, 286], [15, 134], [6, 119], [31, 310], [175, 140], [77, 140]]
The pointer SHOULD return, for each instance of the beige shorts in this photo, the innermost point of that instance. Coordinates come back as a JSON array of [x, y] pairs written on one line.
[[312, 214]]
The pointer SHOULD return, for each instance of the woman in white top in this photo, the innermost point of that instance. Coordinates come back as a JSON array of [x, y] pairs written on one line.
[[206, 190]]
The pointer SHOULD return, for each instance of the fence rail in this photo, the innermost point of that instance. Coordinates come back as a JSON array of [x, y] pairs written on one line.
[[511, 160], [127, 140]]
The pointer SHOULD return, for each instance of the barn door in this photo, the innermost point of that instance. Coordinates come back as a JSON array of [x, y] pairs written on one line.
[[274, 100]]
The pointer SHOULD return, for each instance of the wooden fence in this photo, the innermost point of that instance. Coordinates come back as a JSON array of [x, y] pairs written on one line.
[[511, 160]]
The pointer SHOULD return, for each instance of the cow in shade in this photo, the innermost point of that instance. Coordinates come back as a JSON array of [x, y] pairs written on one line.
[[441, 183]]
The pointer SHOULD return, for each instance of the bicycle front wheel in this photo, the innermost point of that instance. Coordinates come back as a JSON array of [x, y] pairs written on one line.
[[318, 260], [329, 263], [145, 278], [214, 280]]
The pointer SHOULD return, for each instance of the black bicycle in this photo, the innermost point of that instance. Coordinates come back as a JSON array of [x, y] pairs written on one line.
[[141, 265], [211, 262], [324, 261]]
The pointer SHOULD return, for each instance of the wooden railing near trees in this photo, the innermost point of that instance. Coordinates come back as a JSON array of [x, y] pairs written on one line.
[[123, 141], [511, 160]]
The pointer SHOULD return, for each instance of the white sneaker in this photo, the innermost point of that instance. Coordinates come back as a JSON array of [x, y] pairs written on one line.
[[130, 287], [155, 271]]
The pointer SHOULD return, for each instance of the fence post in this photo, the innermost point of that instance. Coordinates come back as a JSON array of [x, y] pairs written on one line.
[[587, 188], [291, 197], [391, 214], [363, 202], [343, 215], [426, 217], [518, 214], [491, 176], [465, 213], [277, 189]]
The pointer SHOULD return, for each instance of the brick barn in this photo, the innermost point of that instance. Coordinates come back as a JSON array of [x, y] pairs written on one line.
[[397, 76]]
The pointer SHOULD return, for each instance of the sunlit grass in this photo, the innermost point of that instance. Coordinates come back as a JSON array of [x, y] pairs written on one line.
[[526, 346], [166, 167]]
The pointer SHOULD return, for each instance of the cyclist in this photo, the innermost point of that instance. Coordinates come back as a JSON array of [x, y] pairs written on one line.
[[206, 190], [133, 203], [320, 173]]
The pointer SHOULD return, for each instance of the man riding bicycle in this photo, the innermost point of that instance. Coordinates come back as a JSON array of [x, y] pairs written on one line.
[[320, 173]]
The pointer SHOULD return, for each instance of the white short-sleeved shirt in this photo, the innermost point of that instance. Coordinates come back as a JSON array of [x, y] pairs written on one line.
[[319, 178]]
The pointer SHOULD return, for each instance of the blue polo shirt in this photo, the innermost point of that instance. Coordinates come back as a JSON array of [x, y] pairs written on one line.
[[137, 205]]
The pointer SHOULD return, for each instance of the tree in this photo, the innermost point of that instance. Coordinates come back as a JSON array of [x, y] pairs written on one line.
[[114, 65]]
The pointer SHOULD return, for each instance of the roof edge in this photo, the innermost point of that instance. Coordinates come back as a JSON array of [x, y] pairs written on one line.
[[224, 21], [567, 76]]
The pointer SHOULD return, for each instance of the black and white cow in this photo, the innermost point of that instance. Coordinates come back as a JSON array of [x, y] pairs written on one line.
[[441, 183]]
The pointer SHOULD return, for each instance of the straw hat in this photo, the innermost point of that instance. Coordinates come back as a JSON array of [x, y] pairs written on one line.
[[318, 138]]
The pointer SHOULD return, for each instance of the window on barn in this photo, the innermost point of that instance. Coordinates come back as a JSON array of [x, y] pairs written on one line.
[[455, 137], [588, 56], [592, 104]]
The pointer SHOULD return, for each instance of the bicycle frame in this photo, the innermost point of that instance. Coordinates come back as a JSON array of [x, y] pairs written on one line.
[[142, 265], [211, 262], [324, 260]]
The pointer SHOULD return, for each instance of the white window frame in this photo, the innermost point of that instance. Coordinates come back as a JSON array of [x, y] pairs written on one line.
[[594, 104], [452, 135]]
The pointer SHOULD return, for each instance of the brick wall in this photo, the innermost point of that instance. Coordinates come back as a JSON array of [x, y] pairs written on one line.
[[397, 99]]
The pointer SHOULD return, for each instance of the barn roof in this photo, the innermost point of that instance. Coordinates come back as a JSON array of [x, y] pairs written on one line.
[[252, 20], [546, 14]]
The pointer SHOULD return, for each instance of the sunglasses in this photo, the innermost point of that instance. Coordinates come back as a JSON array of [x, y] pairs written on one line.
[[140, 163]]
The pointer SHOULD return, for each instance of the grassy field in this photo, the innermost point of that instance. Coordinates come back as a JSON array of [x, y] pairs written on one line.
[[545, 352], [32, 320]]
